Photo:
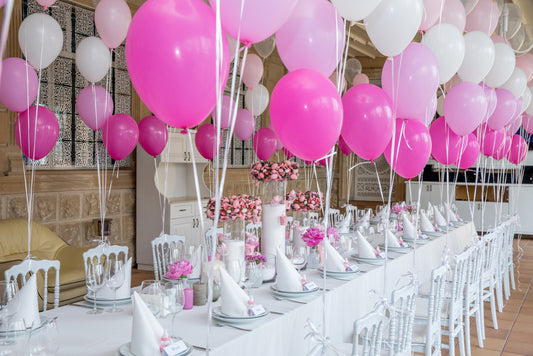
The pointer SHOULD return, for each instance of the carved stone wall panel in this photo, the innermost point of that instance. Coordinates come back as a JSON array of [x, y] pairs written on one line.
[[89, 232], [128, 228], [128, 201], [115, 233], [53, 227], [16, 207], [91, 205], [70, 206], [71, 233], [113, 203], [45, 208], [3, 207]]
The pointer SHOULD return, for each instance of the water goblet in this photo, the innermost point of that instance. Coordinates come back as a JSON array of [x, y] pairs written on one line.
[[95, 280], [115, 276], [152, 295], [173, 299]]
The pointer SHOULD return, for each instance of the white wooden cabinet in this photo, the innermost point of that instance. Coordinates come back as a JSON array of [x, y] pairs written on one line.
[[185, 220], [178, 149]]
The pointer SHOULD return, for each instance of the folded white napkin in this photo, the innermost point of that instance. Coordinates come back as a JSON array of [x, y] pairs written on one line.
[[124, 291], [430, 208], [344, 225], [196, 261], [392, 240], [334, 261], [366, 217], [146, 331], [450, 215], [409, 230], [234, 300], [438, 218], [364, 249], [425, 224], [26, 304], [288, 279]]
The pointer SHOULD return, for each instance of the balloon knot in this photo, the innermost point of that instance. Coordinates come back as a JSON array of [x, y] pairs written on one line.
[[46, 7], [372, 161], [421, 32], [247, 44], [184, 131]]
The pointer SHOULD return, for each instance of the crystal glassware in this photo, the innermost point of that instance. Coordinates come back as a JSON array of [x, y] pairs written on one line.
[[173, 300], [95, 280], [115, 276], [8, 289], [152, 295]]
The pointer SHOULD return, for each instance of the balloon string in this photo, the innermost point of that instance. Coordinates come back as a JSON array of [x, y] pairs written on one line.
[[379, 183], [5, 32], [196, 184]]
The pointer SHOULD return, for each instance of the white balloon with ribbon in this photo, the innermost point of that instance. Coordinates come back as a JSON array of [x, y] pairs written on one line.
[[479, 57], [40, 39], [256, 99], [93, 59]]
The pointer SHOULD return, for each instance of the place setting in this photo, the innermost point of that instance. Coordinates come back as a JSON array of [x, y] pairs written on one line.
[[410, 234], [368, 254], [335, 265]]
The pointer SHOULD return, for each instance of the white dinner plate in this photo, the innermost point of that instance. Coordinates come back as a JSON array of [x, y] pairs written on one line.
[[336, 274], [418, 241], [107, 302], [432, 233], [125, 350], [397, 249], [219, 315], [372, 261], [275, 289], [458, 223]]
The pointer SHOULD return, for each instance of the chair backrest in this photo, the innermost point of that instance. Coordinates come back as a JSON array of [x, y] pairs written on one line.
[[436, 296], [334, 217], [313, 216], [351, 209], [34, 266], [211, 237], [102, 253], [475, 270], [490, 253], [368, 333], [160, 246], [401, 320], [254, 228], [460, 272]]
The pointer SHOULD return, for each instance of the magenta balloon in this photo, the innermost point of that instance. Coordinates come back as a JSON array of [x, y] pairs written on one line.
[[206, 141], [505, 108], [483, 17], [18, 85], [527, 122], [171, 57], [323, 162], [446, 146], [465, 107], [491, 140], [414, 80], [112, 19], [367, 126], [95, 106], [244, 124], [503, 149], [36, 132], [518, 151], [120, 135], [312, 38], [153, 135], [306, 113], [343, 147], [225, 115], [470, 153], [265, 143], [411, 149], [492, 100], [259, 20], [279, 145]]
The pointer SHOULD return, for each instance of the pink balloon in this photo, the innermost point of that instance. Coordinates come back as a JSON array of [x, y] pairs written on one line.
[[112, 19], [253, 70], [18, 85], [411, 149], [503, 149], [259, 20], [95, 106], [505, 109], [367, 126], [279, 145], [465, 107], [426, 115], [206, 141], [527, 122], [322, 162], [514, 125], [518, 152], [415, 81], [312, 38], [470, 153], [306, 113], [174, 78], [446, 146], [498, 39], [153, 135], [120, 135], [483, 17], [36, 132], [431, 13], [490, 140], [244, 124], [492, 100], [225, 119], [343, 147], [265, 142], [46, 3], [525, 62], [287, 153], [360, 78], [454, 13]]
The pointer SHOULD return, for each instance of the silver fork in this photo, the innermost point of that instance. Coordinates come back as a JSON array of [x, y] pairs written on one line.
[[291, 300], [233, 326]]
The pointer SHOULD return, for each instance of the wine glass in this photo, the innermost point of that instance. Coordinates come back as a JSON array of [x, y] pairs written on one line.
[[234, 268], [8, 306], [115, 275], [43, 341], [152, 295], [173, 299], [299, 257], [95, 280]]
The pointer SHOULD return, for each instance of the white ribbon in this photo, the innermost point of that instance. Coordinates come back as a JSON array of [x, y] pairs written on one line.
[[324, 343]]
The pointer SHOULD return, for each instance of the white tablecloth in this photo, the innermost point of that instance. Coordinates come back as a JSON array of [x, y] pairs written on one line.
[[83, 334]]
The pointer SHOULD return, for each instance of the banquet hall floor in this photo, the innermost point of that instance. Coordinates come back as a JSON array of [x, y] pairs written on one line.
[[515, 333]]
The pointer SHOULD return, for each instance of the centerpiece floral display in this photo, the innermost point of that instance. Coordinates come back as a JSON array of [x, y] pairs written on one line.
[[304, 201], [312, 237], [264, 171], [179, 269], [236, 207]]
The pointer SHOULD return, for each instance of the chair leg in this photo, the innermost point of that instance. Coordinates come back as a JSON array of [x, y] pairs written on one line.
[[499, 294], [467, 334], [507, 291], [482, 311], [462, 342], [493, 308], [480, 326], [511, 271], [451, 341]]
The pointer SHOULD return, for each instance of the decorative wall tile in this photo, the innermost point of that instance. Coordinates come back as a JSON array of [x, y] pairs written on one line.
[[123, 104], [89, 231], [115, 235], [122, 82], [91, 205], [84, 154], [70, 206], [71, 233], [113, 203], [45, 208], [16, 207], [128, 201], [84, 21]]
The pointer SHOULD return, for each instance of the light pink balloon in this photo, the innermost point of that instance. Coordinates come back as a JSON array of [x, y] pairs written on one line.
[[95, 106], [120, 136], [431, 13], [492, 100], [171, 56], [498, 39], [112, 19], [465, 106], [415, 80], [312, 38], [19, 84], [483, 17], [259, 20], [225, 114], [206, 141], [265, 142], [514, 125], [454, 13], [505, 109], [470, 153], [426, 115], [503, 149], [525, 62], [153, 135], [253, 70], [46, 3], [360, 78], [527, 122], [244, 124], [518, 152], [36, 132], [446, 146], [343, 147]]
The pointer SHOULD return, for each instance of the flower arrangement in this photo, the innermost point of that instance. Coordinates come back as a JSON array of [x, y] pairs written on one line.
[[313, 236], [179, 269], [398, 208], [251, 243], [256, 257], [304, 201], [242, 207], [333, 233], [264, 171]]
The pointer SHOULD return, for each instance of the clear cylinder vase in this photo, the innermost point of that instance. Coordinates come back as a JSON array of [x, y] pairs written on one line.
[[234, 233], [299, 226], [273, 217]]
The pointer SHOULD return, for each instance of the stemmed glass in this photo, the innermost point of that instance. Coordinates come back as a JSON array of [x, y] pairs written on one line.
[[115, 275], [173, 299], [152, 294], [8, 289], [234, 268], [299, 257], [95, 280]]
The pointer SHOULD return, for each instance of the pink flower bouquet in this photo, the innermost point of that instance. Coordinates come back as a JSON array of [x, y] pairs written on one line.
[[242, 207], [312, 236], [300, 201], [179, 269], [264, 171]]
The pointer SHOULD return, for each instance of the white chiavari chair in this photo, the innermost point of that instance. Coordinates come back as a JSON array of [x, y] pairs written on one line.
[[489, 278], [367, 336], [473, 301], [161, 247], [254, 228], [401, 321]]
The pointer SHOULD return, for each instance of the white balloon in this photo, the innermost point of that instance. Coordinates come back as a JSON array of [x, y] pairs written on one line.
[[479, 57], [352, 68], [526, 99], [394, 24], [504, 63], [266, 47], [516, 83], [529, 109], [93, 59], [256, 99], [448, 45], [40, 39], [355, 10]]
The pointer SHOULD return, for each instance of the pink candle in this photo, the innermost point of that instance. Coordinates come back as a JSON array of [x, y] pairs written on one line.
[[188, 293]]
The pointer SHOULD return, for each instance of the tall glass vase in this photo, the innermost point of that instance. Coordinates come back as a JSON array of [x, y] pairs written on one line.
[[273, 217], [300, 224], [234, 233]]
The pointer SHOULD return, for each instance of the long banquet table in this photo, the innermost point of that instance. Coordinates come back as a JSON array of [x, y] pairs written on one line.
[[279, 334]]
